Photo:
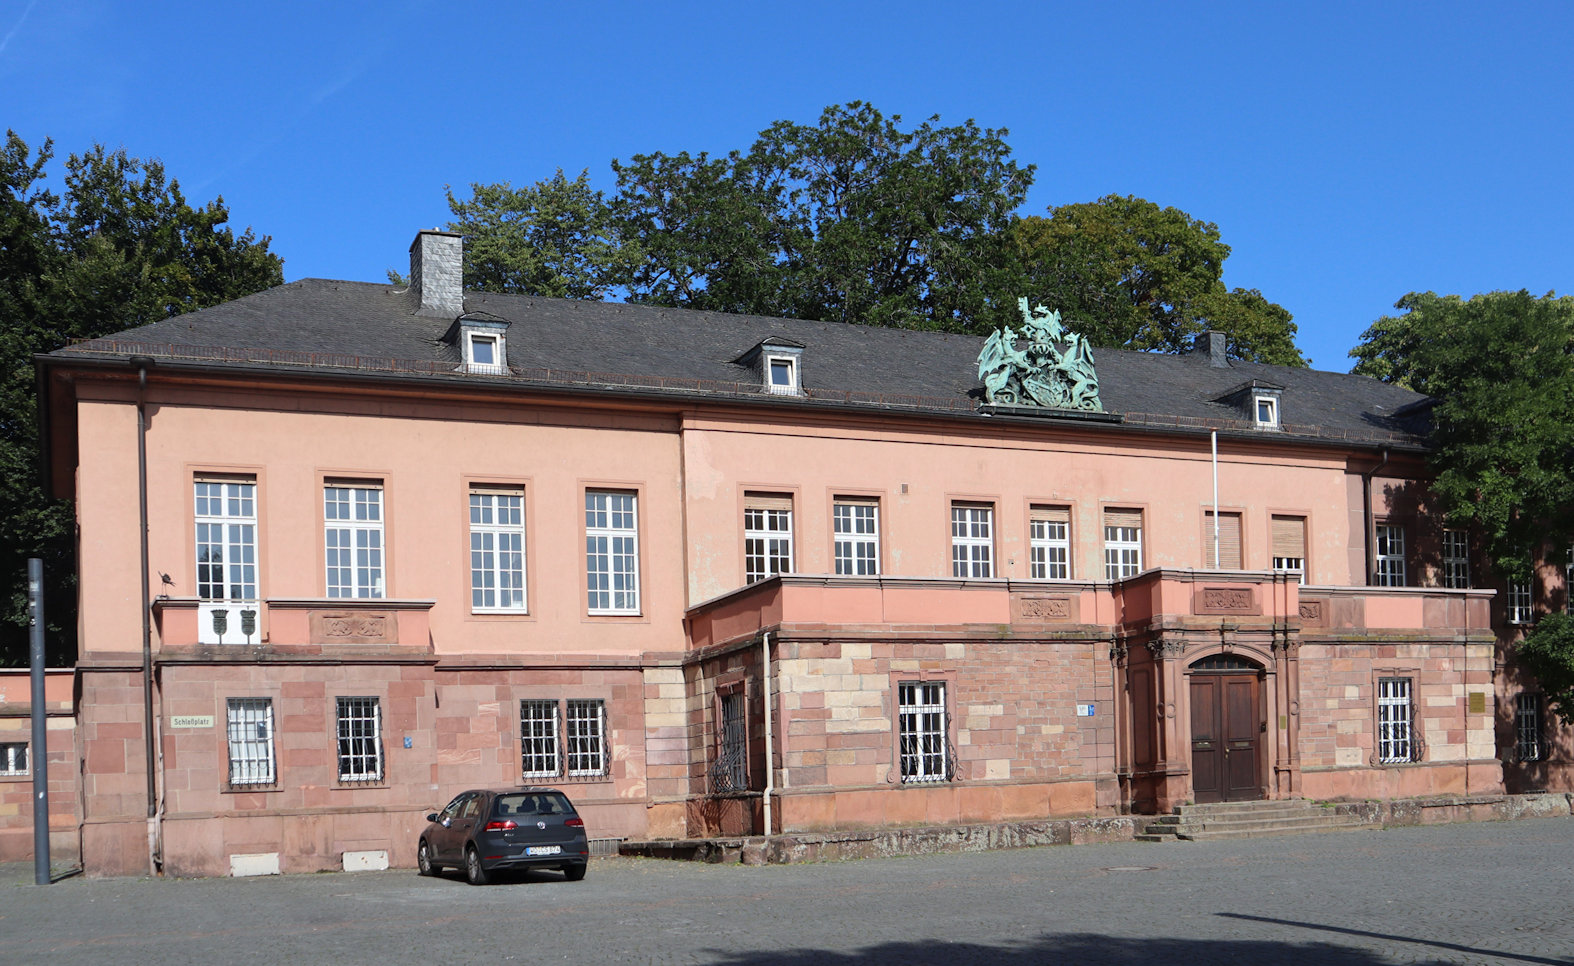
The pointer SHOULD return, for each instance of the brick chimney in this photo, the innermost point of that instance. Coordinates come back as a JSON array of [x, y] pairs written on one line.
[[437, 273], [1213, 345]]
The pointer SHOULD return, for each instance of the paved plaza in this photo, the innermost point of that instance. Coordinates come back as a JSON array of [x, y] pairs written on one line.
[[1468, 893]]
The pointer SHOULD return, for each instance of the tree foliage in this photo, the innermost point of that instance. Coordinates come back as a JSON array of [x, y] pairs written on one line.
[[1548, 653], [1501, 366], [1137, 276], [118, 247]]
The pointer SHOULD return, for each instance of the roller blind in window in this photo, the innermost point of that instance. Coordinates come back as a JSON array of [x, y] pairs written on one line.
[[1229, 540]]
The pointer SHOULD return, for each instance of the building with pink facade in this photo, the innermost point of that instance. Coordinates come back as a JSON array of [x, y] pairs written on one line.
[[720, 574]]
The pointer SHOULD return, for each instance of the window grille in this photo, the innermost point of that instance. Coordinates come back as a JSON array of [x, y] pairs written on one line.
[[857, 538], [538, 739], [1049, 544], [1394, 720], [922, 736], [1390, 562], [1122, 544], [586, 738], [611, 552], [1456, 559], [497, 551], [250, 729], [353, 534], [13, 758], [972, 540], [731, 772], [1527, 727], [1519, 609], [767, 538], [360, 740]]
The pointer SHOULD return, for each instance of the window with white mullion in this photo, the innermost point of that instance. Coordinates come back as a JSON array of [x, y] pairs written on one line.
[[1394, 720], [585, 738], [353, 535], [922, 733], [1390, 557], [360, 728], [249, 727], [226, 518], [857, 538], [1519, 602], [1456, 559], [538, 740], [497, 551], [1122, 552], [972, 540], [767, 543], [611, 552], [1049, 550]]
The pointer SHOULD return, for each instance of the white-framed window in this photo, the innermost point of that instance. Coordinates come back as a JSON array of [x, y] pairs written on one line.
[[497, 551], [586, 737], [972, 540], [1456, 559], [485, 346], [353, 538], [226, 540], [1519, 609], [1266, 412], [1288, 537], [1389, 569], [767, 536], [1049, 543], [1122, 544], [1527, 728], [483, 351], [360, 739], [781, 375], [731, 770], [1394, 720], [540, 747], [249, 727], [922, 734], [612, 551], [13, 758], [856, 537]]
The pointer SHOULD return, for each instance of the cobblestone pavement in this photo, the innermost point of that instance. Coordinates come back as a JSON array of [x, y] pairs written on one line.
[[1483, 893]]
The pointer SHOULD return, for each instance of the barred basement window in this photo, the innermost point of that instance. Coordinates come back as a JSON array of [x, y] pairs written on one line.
[[538, 740], [1527, 728], [586, 723], [1394, 720], [921, 731], [250, 733], [13, 758], [731, 772], [360, 740]]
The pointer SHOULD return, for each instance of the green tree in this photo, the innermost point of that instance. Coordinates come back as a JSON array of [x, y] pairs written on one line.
[[119, 247], [1501, 367], [1548, 653], [1130, 274], [553, 238]]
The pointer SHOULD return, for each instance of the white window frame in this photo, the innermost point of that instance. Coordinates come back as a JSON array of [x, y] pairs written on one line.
[[15, 762], [612, 552], [249, 735], [855, 526], [1293, 565], [1388, 558], [354, 540], [923, 732], [1271, 403], [225, 514], [492, 339], [1049, 549], [787, 364], [1529, 742], [972, 540], [1122, 552], [540, 739], [767, 542], [1456, 559], [359, 738], [585, 737], [1519, 607], [1395, 720], [497, 551]]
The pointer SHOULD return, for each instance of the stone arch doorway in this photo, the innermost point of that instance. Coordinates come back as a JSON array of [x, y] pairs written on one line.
[[1227, 727]]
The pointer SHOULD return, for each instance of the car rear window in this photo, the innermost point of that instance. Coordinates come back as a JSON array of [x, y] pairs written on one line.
[[534, 803]]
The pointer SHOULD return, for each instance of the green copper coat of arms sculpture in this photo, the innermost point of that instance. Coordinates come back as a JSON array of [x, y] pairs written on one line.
[[1043, 365]]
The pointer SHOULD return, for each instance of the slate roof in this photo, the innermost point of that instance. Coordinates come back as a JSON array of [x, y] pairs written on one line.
[[616, 347]]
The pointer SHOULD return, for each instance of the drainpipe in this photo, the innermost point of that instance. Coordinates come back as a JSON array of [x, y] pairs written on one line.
[[770, 756], [1214, 439], [1366, 507], [142, 363]]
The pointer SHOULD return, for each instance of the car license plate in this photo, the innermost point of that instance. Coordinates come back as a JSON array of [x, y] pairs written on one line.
[[544, 850]]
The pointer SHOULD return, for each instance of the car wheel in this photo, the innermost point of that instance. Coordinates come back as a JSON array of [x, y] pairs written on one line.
[[475, 872], [423, 860], [574, 873]]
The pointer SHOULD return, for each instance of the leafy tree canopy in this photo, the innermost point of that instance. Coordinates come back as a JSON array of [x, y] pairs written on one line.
[[117, 248], [1548, 653], [1134, 275], [1501, 365]]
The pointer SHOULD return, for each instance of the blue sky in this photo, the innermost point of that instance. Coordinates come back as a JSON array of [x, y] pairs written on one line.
[[1349, 153]]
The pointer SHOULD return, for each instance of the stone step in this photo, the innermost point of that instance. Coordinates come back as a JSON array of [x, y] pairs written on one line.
[[1207, 834], [1266, 826], [1246, 820]]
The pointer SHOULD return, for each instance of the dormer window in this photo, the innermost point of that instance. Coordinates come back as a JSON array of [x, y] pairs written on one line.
[[783, 375], [778, 364], [483, 343], [1267, 409], [483, 351]]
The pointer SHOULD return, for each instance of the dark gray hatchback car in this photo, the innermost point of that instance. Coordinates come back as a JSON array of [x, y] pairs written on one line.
[[484, 831]]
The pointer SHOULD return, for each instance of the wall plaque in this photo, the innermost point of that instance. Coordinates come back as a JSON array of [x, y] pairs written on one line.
[[191, 721], [354, 627], [1312, 611], [1044, 609], [1225, 600]]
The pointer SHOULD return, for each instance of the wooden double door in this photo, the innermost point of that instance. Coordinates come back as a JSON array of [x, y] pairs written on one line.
[[1226, 731]]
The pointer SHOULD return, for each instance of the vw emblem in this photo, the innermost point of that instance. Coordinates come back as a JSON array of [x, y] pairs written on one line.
[[541, 825]]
